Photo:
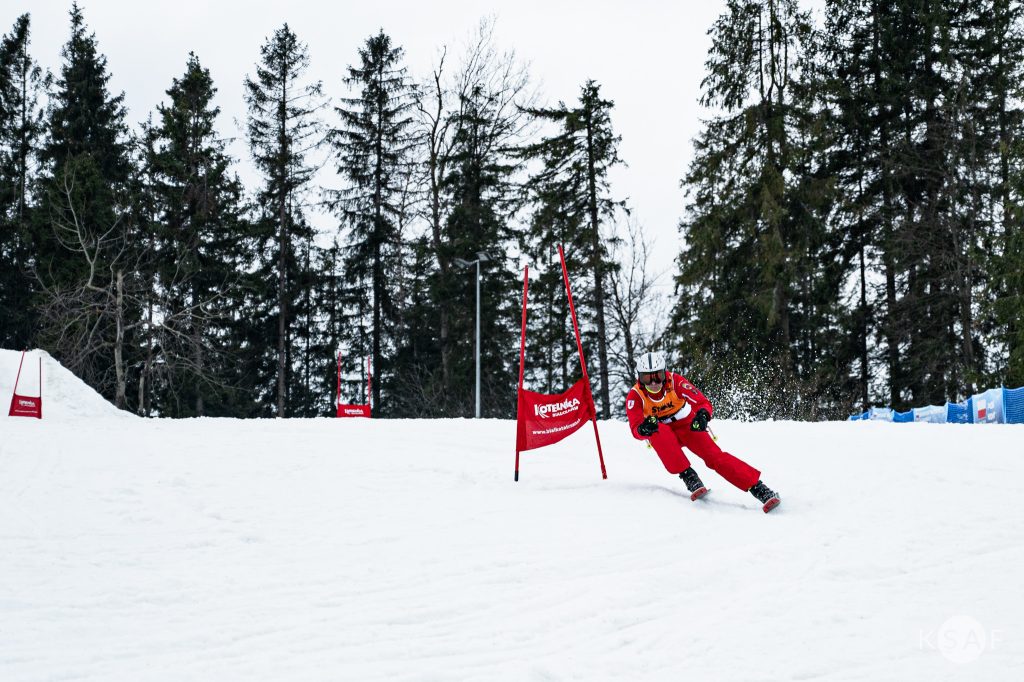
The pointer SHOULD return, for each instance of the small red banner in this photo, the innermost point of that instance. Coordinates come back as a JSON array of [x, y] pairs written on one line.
[[353, 411], [546, 419], [23, 405], [26, 406]]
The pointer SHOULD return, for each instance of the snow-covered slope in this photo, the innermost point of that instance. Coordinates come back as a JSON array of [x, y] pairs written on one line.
[[65, 397], [402, 550]]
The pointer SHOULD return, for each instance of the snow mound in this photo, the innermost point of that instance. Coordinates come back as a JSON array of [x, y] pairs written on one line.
[[65, 396]]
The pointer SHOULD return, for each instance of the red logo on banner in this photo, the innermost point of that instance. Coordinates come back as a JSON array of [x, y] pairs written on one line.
[[546, 419]]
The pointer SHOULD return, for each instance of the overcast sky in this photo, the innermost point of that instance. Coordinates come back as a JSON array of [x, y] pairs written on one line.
[[648, 56]]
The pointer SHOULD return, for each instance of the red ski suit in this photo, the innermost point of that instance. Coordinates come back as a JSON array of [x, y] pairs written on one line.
[[675, 406]]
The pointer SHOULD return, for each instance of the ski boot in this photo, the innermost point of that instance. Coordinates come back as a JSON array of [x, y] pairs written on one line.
[[693, 484], [766, 496]]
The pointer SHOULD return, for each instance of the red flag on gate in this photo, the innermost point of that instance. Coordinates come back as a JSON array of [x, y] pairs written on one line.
[[26, 405], [344, 410], [547, 419]]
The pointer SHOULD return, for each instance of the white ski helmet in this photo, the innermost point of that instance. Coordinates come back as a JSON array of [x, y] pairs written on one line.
[[650, 363]]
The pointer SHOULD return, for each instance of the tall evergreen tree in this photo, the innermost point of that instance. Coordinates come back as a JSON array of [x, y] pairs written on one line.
[[576, 160], [373, 147], [21, 126], [283, 130], [201, 243], [85, 252], [922, 118], [925, 241], [85, 119], [1003, 62], [858, 123], [760, 276]]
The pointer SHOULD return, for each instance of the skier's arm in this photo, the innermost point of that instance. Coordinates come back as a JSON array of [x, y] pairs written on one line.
[[698, 401], [634, 413]]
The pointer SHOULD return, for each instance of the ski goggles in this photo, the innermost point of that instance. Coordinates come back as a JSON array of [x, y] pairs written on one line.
[[652, 377]]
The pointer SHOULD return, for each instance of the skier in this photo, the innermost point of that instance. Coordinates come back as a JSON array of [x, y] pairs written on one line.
[[669, 412]]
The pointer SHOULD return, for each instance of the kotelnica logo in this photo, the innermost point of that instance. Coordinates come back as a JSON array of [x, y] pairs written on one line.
[[556, 409], [27, 403]]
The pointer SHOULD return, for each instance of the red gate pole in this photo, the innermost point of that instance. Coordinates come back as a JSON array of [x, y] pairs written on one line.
[[583, 363], [337, 396], [369, 384], [522, 364], [40, 386], [18, 378]]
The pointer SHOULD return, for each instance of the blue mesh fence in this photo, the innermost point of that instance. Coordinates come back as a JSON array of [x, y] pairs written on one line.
[[935, 414], [956, 413], [1013, 405], [994, 406]]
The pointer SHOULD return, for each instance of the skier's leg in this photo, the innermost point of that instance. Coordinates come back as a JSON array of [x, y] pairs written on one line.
[[669, 450], [731, 468]]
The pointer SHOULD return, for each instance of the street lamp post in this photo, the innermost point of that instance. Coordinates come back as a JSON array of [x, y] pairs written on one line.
[[463, 263]]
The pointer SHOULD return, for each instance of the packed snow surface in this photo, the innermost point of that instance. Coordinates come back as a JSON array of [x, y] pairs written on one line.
[[334, 549]]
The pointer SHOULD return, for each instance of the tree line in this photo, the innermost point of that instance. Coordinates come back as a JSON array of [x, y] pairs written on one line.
[[851, 232], [855, 204], [140, 261]]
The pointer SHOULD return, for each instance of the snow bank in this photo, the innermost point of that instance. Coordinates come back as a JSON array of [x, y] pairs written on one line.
[[65, 396], [402, 550]]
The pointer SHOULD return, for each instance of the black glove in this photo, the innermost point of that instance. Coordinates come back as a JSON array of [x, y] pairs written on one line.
[[648, 427], [700, 420]]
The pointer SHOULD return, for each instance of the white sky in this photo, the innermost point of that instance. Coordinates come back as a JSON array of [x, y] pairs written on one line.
[[648, 56]]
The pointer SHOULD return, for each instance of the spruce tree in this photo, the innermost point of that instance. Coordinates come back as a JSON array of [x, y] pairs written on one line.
[[760, 273], [1003, 252], [373, 148], [84, 118], [201, 245], [21, 126], [922, 117], [576, 160], [923, 244], [85, 252], [283, 130]]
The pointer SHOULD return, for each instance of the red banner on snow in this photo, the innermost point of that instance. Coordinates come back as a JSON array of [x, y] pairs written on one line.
[[546, 419], [24, 405], [353, 411]]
